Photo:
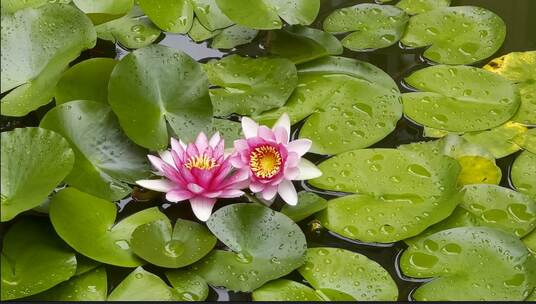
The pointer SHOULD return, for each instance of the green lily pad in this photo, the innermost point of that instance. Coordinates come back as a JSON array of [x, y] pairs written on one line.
[[400, 193], [85, 264], [519, 67], [456, 35], [233, 36], [285, 290], [87, 224], [34, 259], [470, 264], [199, 33], [87, 80], [250, 86], [188, 285], [157, 86], [89, 286], [348, 272], [527, 140], [116, 7], [523, 174], [209, 15], [530, 242], [132, 31], [105, 159], [414, 7], [500, 140], [264, 14], [301, 44], [460, 98], [11, 6], [156, 243], [34, 161], [141, 285], [266, 244], [52, 35], [308, 204], [174, 16], [373, 26]]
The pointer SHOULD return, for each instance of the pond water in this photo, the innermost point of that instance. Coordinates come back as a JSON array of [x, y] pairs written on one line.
[[396, 61]]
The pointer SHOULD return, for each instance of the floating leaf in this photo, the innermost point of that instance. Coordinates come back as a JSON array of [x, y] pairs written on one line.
[[250, 86], [199, 33], [499, 140], [11, 6], [87, 80], [34, 259], [523, 174], [470, 264], [519, 67], [530, 242], [34, 162], [373, 26], [89, 286], [285, 290], [456, 35], [174, 16], [233, 36], [400, 193], [51, 36], [460, 98], [156, 86], [527, 140], [308, 204], [348, 272], [301, 44], [87, 224], [264, 15], [414, 7], [188, 285], [209, 15], [105, 159], [478, 170], [265, 248], [156, 243], [141, 285], [107, 7]]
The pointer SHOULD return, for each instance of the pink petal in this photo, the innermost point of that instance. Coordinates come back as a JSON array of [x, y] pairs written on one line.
[[281, 135], [156, 162], [195, 188], [177, 146], [240, 145], [214, 194], [192, 151], [256, 187], [249, 127], [293, 159], [178, 195], [160, 185], [201, 142], [215, 140], [299, 146], [231, 193], [292, 173], [288, 192], [166, 157], [265, 133], [236, 161], [269, 192], [202, 207], [283, 122]]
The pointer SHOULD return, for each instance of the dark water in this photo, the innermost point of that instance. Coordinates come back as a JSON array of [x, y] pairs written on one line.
[[397, 62]]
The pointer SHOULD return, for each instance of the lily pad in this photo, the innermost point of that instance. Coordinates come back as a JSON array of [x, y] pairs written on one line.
[[530, 242], [460, 261], [105, 159], [265, 245], [500, 140], [233, 36], [52, 35], [188, 285], [87, 224], [11, 6], [174, 16], [527, 140], [372, 26], [308, 204], [209, 15], [87, 80], [34, 259], [34, 162], [400, 193], [285, 290], [519, 67], [156, 243], [456, 35], [264, 14], [460, 98], [523, 174], [157, 86], [301, 44], [250, 86], [89, 286], [116, 7], [199, 33], [348, 272], [414, 7], [141, 285]]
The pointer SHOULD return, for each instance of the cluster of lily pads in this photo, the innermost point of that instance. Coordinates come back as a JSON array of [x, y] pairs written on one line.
[[468, 238]]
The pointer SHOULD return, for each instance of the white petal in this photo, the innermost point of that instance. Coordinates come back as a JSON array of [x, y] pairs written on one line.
[[283, 121], [214, 140], [160, 185], [287, 192], [299, 146], [269, 192], [249, 127], [202, 207], [308, 170], [166, 156]]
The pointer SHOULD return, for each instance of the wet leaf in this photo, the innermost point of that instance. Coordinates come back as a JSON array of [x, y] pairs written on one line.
[[52, 36], [141, 285], [263, 249], [188, 285], [11, 6], [199, 33], [527, 140], [89, 286], [285, 290], [158, 244], [87, 224], [459, 260], [460, 98], [523, 174], [105, 159], [87, 80], [308, 204], [34, 162], [156, 86], [175, 16], [233, 36], [500, 140], [250, 86], [106, 7], [348, 272], [530, 242], [414, 7], [34, 259], [209, 15], [372, 26], [456, 35]]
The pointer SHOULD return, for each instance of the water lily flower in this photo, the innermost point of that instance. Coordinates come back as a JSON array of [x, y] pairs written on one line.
[[271, 160], [198, 172]]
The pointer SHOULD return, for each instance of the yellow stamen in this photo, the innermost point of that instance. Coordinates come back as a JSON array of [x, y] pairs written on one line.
[[201, 162], [265, 161]]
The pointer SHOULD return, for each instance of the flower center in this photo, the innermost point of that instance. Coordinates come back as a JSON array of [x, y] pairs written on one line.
[[265, 161], [201, 162]]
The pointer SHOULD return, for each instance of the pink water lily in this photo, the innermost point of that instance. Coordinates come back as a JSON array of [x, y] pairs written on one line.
[[198, 172], [271, 160]]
